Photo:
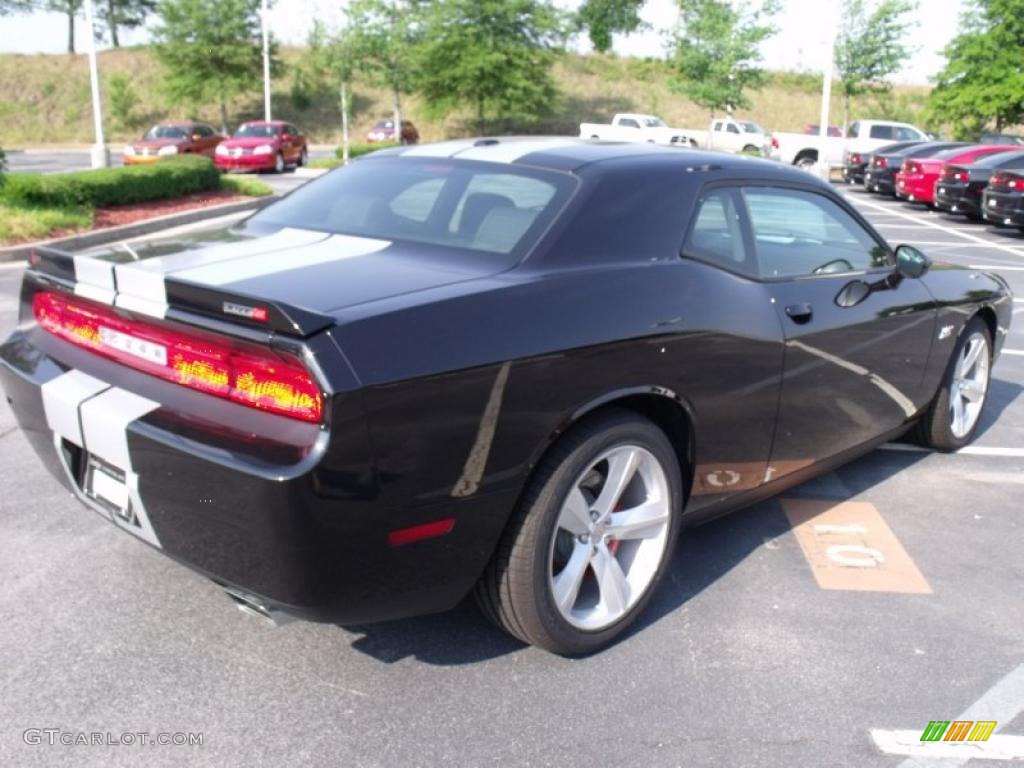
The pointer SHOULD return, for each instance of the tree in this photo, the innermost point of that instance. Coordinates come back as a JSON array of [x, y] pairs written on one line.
[[983, 79], [384, 36], [8, 7], [870, 47], [123, 13], [210, 50], [602, 18], [494, 56], [331, 57], [70, 8], [716, 50]]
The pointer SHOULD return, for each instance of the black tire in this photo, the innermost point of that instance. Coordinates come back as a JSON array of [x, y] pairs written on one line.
[[514, 591], [935, 428], [279, 164], [303, 158]]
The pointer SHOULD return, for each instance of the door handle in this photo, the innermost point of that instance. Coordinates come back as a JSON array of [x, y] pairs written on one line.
[[799, 313]]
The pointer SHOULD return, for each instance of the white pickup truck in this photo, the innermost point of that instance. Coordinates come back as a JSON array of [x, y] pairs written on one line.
[[628, 126], [863, 136], [731, 135]]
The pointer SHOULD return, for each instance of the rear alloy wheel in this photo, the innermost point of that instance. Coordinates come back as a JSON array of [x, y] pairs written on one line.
[[591, 538], [953, 417], [279, 163]]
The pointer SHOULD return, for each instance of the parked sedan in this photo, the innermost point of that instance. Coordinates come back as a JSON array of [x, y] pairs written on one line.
[[960, 187], [915, 181], [262, 146], [317, 410], [881, 170], [167, 139], [855, 164], [1003, 199], [384, 130]]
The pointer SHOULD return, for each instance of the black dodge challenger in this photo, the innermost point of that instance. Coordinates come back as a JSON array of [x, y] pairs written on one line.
[[510, 367]]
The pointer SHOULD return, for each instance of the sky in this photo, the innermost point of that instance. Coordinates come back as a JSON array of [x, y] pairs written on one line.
[[801, 43]]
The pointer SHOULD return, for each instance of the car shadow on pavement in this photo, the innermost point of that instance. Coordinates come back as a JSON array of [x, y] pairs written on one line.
[[1001, 394], [705, 554]]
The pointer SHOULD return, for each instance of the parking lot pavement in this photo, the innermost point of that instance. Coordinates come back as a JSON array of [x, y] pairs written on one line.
[[757, 651]]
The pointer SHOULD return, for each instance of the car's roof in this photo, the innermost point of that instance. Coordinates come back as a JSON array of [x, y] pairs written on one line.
[[264, 122], [570, 154]]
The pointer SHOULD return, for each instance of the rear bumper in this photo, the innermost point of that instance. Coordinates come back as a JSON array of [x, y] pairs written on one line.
[[853, 174], [1004, 209], [140, 159], [244, 162], [293, 517], [880, 181], [956, 198], [915, 187]]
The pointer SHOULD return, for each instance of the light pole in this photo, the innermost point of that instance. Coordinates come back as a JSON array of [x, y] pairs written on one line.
[[100, 155], [264, 11], [826, 90]]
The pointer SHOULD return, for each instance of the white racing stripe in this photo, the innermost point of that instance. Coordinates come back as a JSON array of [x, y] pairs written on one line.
[[334, 248], [94, 279], [440, 149], [510, 151], [95, 416]]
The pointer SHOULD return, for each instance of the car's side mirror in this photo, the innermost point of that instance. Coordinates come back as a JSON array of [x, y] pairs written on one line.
[[910, 262]]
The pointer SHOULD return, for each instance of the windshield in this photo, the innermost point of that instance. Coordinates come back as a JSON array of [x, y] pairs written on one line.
[[470, 206], [384, 124], [653, 122], [752, 128], [256, 131], [166, 132]]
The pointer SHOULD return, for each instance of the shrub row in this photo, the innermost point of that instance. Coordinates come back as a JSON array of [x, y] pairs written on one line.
[[355, 150], [170, 177]]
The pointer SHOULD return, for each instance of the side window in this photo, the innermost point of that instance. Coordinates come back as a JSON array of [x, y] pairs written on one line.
[[718, 125], [733, 128], [882, 132], [907, 134], [853, 130], [800, 233], [716, 234], [628, 122]]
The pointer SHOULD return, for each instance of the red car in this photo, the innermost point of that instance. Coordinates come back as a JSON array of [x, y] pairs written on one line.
[[262, 146], [384, 130], [165, 139], [916, 180]]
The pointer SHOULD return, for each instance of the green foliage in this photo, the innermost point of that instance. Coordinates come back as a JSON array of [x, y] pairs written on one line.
[[16, 6], [870, 47], [20, 224], [382, 39], [210, 51], [716, 51], [70, 9], [983, 79], [493, 56], [602, 18], [355, 150], [171, 177], [118, 14], [245, 185], [122, 100], [300, 94]]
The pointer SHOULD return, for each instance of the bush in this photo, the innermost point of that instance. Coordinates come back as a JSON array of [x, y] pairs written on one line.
[[171, 177], [355, 150], [245, 185], [123, 99]]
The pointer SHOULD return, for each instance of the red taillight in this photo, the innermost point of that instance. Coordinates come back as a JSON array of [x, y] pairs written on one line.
[[911, 167], [245, 374], [775, 143], [855, 158], [881, 162]]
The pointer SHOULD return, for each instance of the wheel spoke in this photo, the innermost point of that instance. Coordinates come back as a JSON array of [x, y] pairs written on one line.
[[567, 582], [971, 354], [575, 515], [958, 414], [641, 522], [611, 581], [621, 467], [973, 391]]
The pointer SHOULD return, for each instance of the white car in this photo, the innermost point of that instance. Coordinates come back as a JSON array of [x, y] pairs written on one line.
[[630, 126], [863, 136]]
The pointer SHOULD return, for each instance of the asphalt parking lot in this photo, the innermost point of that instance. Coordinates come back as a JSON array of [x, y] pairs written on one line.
[[753, 653]]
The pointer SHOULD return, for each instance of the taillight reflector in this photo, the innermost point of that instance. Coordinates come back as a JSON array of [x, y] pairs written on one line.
[[420, 532], [855, 158], [245, 374]]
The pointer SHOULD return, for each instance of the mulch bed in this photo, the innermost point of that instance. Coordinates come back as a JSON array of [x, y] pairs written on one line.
[[116, 215]]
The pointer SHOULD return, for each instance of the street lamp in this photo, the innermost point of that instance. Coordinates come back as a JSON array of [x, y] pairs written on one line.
[[264, 11], [826, 91], [100, 155]]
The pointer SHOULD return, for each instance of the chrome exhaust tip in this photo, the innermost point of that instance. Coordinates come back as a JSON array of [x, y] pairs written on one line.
[[253, 606]]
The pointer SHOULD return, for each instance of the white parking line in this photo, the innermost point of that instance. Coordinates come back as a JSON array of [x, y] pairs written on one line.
[[1015, 351], [950, 230], [996, 266], [969, 450], [1002, 702]]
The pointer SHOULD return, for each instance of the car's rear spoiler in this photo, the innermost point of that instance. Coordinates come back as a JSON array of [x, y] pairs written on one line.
[[109, 283]]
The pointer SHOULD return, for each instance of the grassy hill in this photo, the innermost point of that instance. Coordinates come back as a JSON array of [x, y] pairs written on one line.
[[44, 99]]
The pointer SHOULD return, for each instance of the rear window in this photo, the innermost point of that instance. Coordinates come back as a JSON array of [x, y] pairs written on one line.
[[886, 132], [483, 208]]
